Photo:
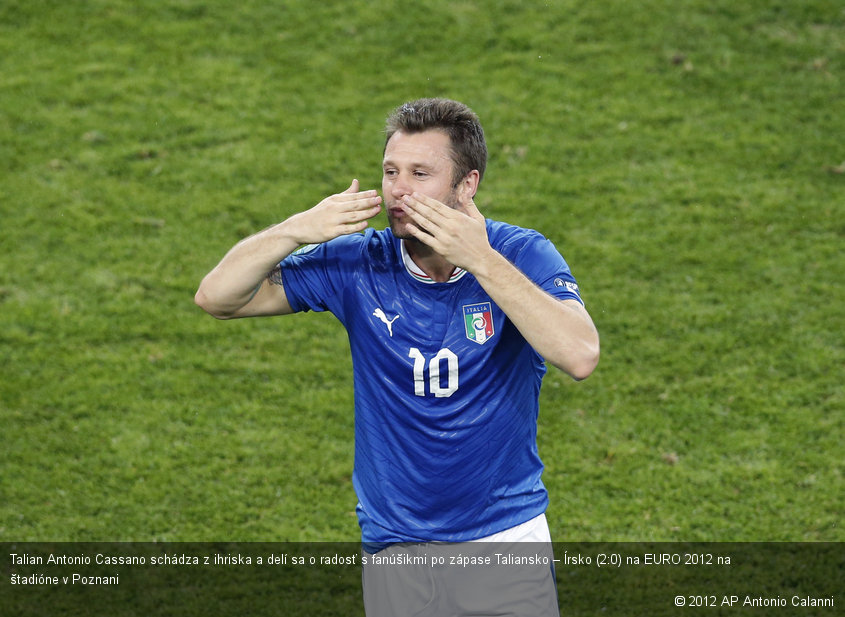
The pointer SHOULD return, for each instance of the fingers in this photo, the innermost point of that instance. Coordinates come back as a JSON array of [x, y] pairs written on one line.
[[355, 201], [356, 220], [427, 212], [340, 214], [422, 202], [457, 233], [352, 208], [431, 217], [424, 222], [354, 197], [347, 205], [360, 213]]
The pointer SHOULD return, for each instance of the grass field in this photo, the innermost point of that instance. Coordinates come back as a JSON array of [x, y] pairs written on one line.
[[686, 157]]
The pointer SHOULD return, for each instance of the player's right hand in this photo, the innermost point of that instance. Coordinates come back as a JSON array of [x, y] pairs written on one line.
[[337, 215]]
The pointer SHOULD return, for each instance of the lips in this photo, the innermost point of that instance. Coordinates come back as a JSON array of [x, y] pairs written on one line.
[[397, 210]]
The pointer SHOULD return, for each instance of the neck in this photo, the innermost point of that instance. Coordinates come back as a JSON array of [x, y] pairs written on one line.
[[428, 261]]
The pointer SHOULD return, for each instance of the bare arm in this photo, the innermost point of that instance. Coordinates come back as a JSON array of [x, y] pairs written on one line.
[[561, 331], [247, 283]]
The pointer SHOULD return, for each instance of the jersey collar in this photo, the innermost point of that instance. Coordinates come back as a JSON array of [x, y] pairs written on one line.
[[416, 272]]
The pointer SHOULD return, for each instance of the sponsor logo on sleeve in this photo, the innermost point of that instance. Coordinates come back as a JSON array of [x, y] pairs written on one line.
[[559, 282]]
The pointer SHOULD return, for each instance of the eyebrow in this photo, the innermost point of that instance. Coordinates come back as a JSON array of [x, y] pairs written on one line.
[[416, 163], [390, 163]]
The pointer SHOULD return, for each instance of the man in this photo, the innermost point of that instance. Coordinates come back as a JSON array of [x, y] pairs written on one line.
[[450, 317]]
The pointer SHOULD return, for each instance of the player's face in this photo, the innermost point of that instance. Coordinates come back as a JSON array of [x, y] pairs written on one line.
[[416, 162]]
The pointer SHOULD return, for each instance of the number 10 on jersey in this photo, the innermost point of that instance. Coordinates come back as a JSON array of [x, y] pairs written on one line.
[[434, 367]]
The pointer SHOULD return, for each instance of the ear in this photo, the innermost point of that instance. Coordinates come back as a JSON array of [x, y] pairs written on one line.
[[468, 186]]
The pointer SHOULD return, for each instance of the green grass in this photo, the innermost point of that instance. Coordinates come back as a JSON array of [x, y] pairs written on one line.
[[686, 157]]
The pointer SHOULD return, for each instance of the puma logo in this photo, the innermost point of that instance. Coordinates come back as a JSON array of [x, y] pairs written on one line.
[[388, 322]]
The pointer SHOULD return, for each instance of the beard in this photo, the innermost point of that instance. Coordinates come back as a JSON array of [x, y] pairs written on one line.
[[399, 226]]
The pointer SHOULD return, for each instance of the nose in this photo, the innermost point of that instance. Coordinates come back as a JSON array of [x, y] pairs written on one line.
[[399, 187]]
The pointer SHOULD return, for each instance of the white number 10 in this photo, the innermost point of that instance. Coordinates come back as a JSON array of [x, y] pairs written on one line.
[[434, 373]]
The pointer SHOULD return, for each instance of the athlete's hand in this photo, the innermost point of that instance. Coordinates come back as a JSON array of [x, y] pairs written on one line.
[[337, 215], [458, 234]]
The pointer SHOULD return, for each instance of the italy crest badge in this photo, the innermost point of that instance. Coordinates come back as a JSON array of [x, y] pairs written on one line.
[[478, 321]]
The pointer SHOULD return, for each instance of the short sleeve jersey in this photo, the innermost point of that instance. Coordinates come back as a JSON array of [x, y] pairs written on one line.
[[446, 388]]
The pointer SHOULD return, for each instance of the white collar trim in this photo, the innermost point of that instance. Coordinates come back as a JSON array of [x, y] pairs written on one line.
[[415, 271]]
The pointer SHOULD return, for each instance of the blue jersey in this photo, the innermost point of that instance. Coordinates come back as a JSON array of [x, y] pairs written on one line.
[[446, 388]]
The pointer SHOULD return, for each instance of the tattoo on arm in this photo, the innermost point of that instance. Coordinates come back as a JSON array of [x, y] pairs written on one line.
[[254, 292], [275, 276]]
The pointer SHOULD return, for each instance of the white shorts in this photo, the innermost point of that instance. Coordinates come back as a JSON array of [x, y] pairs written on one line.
[[535, 530], [510, 573]]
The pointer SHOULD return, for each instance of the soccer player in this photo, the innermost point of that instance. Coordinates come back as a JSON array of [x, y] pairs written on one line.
[[451, 318]]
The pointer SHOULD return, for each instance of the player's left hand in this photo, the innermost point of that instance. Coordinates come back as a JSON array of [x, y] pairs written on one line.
[[458, 234]]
